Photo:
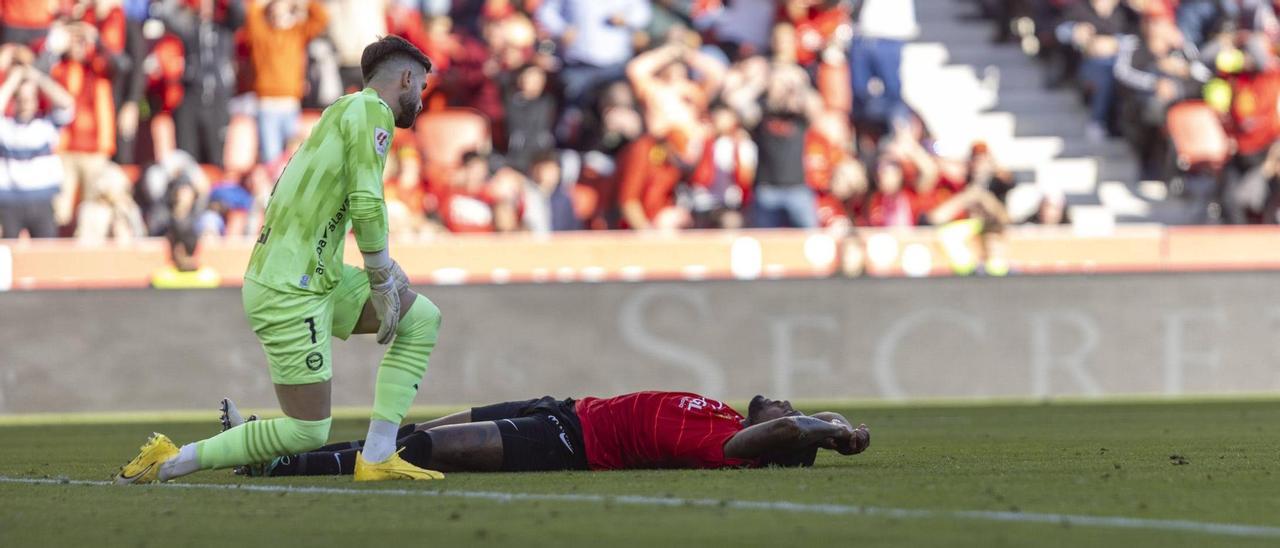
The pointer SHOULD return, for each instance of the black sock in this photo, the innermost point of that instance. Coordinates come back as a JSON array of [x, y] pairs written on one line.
[[417, 449], [343, 446], [317, 463]]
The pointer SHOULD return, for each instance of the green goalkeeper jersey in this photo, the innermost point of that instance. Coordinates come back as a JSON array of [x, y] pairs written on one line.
[[333, 182]]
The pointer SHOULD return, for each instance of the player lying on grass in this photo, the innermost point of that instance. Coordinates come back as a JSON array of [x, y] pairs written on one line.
[[640, 430], [298, 294]]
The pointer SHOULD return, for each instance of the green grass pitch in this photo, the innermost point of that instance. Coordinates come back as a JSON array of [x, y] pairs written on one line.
[[1207, 462]]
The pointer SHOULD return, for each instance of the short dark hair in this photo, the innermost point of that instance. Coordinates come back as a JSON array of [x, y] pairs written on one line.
[[387, 48]]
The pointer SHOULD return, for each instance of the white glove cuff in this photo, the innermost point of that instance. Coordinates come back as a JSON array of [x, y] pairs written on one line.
[[379, 260]]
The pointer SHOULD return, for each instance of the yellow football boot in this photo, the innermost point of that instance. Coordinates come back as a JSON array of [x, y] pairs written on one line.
[[145, 468], [394, 468]]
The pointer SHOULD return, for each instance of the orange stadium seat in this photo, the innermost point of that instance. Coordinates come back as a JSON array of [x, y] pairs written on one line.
[[444, 136], [242, 144], [1197, 135]]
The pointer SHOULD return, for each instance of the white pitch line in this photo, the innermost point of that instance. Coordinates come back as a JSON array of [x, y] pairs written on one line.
[[1209, 528]]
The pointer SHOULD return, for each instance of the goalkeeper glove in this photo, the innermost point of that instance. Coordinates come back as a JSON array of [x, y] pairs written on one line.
[[384, 285]]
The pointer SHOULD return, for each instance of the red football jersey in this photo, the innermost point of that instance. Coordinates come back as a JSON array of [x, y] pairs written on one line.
[[658, 430]]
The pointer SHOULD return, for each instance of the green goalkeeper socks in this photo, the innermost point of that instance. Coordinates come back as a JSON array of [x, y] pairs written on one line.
[[262, 440], [405, 363], [399, 373]]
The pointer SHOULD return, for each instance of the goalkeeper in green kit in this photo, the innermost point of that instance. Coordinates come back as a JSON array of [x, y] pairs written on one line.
[[297, 293]]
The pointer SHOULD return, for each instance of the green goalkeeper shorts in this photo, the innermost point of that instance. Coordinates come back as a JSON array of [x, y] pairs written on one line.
[[295, 329]]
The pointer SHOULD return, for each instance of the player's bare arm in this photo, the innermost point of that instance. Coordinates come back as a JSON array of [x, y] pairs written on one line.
[[786, 434]]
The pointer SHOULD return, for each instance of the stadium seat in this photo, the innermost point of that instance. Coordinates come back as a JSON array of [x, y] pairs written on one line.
[[586, 201], [242, 144], [213, 173], [444, 136], [1197, 135], [163, 134]]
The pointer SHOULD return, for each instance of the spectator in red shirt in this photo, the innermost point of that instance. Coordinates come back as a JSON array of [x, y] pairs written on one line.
[[650, 171], [844, 203], [643, 430], [467, 205], [890, 205], [815, 24], [24, 21], [90, 140], [722, 180]]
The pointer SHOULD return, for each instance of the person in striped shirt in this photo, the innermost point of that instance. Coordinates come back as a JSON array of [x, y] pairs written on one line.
[[298, 293], [30, 173]]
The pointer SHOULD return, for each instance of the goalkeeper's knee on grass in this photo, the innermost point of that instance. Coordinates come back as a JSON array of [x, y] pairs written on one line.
[[250, 443], [261, 441]]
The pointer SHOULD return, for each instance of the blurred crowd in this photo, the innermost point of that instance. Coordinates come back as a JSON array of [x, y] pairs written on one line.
[[1192, 85], [173, 118]]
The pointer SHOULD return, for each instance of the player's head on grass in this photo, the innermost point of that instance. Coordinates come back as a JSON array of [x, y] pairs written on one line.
[[761, 410], [398, 71]]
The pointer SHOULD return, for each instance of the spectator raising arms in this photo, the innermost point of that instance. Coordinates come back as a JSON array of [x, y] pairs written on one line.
[[278, 32], [782, 194], [31, 175], [90, 140], [675, 105]]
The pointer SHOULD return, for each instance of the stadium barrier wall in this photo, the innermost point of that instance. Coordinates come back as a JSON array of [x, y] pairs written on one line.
[[594, 256], [1042, 336]]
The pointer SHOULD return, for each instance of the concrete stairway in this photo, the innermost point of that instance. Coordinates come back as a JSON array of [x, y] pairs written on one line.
[[967, 88]]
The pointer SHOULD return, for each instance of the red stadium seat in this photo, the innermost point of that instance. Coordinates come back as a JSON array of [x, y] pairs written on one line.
[[586, 201], [242, 144], [444, 136], [212, 173], [1197, 135]]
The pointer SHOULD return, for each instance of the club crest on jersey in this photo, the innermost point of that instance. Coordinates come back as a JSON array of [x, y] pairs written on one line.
[[381, 140]]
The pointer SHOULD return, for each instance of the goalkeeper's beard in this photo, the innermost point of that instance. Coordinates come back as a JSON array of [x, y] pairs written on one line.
[[410, 105]]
